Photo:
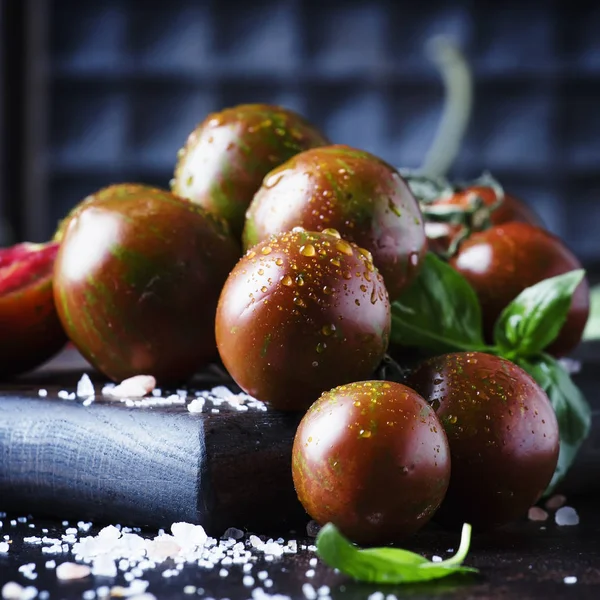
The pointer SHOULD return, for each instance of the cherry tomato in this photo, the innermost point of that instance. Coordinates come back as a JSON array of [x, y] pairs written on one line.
[[372, 458], [502, 261], [502, 431], [301, 313]]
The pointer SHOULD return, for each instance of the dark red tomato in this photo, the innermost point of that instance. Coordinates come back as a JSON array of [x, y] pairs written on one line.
[[227, 156], [301, 313], [30, 331], [117, 191], [136, 284], [372, 458], [440, 235], [502, 261], [502, 431], [352, 191]]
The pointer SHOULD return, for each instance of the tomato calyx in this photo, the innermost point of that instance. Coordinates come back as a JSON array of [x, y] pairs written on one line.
[[466, 208], [25, 264]]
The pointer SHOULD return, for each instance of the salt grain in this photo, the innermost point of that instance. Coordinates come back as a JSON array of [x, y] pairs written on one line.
[[104, 566], [555, 502], [248, 581], [566, 516], [88, 595], [67, 571], [312, 562], [310, 573], [12, 591], [137, 386], [536, 513], [189, 589], [376, 596], [570, 580], [4, 547], [233, 533], [436, 559], [309, 591], [85, 387], [42, 393]]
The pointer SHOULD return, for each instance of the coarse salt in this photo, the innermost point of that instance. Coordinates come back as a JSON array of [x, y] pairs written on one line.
[[566, 516], [137, 386], [570, 579], [4, 547], [555, 502], [68, 571], [535, 513], [85, 387], [12, 591]]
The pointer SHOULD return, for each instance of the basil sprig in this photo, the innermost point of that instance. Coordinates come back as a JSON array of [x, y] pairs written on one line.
[[388, 565], [440, 312]]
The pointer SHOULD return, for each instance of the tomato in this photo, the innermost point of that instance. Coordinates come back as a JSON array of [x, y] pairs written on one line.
[[301, 313], [502, 431], [136, 283], [502, 261], [30, 331], [372, 458], [352, 191], [226, 157], [440, 235]]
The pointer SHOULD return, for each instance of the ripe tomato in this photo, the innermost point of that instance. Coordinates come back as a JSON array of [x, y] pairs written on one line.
[[502, 261]]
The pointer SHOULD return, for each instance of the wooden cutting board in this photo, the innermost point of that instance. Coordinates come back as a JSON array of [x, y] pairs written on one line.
[[108, 462]]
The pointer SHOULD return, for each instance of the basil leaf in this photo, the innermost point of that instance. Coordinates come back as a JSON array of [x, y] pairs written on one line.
[[387, 565], [592, 328], [535, 317], [439, 312], [572, 410]]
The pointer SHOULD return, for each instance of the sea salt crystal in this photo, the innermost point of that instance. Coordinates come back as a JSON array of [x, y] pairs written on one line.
[[4, 546], [42, 393], [248, 580], [187, 534], [44, 595], [309, 591], [536, 513], [566, 516], [104, 566], [137, 386], [555, 502], [67, 571], [196, 406], [310, 573], [223, 573], [312, 562], [376, 596], [324, 590], [12, 591], [570, 579], [436, 559], [85, 387], [233, 533]]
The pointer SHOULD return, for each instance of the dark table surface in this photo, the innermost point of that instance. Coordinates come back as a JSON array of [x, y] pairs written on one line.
[[524, 560]]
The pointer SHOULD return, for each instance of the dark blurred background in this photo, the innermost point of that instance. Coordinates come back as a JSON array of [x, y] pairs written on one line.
[[96, 92]]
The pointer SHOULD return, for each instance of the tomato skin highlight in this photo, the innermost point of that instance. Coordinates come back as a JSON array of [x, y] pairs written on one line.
[[30, 331], [136, 284], [502, 431], [502, 261], [349, 190], [301, 313], [440, 235], [373, 458], [226, 157]]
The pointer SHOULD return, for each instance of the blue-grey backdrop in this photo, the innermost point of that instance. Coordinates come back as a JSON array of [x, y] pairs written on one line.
[[130, 79]]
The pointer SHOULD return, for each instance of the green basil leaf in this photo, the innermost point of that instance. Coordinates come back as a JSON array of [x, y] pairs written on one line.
[[439, 312], [387, 565], [572, 410], [592, 328], [535, 317]]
